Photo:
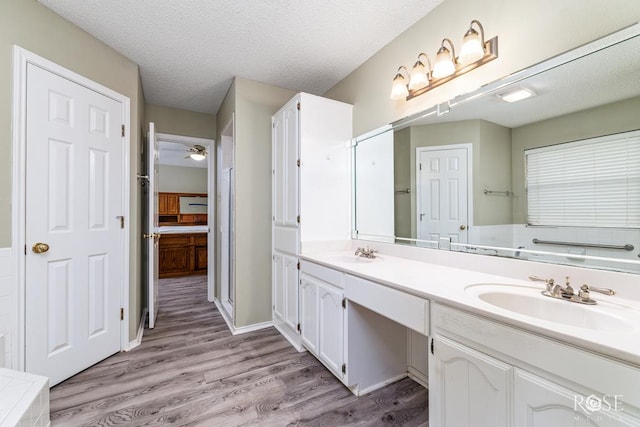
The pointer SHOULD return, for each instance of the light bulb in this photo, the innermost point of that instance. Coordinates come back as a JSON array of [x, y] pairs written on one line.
[[472, 47], [419, 77], [444, 65], [399, 87]]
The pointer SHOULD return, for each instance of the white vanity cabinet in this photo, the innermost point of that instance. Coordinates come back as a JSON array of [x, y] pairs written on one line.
[[542, 403], [466, 387], [322, 316], [483, 372], [310, 166]]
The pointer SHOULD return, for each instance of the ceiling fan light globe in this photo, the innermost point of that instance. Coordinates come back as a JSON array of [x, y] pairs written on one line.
[[197, 156]]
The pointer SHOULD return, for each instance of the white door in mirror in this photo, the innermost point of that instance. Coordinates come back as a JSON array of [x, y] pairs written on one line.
[[442, 189]]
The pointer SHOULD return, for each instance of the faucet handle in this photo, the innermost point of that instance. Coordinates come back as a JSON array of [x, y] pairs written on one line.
[[605, 291], [568, 289]]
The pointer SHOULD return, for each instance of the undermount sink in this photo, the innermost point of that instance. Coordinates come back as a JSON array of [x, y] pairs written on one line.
[[528, 301], [351, 259]]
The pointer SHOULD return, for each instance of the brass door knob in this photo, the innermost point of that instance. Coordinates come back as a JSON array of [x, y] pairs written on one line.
[[40, 248], [463, 227]]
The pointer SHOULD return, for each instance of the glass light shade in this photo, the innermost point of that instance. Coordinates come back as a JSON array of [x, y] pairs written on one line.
[[472, 48], [399, 88], [197, 156], [444, 65], [418, 78]]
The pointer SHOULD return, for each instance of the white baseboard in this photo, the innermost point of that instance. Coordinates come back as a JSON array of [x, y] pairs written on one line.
[[418, 377], [133, 344], [242, 329], [374, 387]]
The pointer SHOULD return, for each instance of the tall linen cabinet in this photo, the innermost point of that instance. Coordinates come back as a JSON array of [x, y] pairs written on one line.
[[311, 189]]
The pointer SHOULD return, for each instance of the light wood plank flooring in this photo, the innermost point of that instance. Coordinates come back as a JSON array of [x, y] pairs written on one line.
[[190, 370]]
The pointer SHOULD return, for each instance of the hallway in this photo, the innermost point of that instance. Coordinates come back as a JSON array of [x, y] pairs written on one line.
[[190, 370]]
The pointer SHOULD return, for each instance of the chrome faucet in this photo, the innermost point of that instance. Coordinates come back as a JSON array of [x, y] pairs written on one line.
[[365, 253], [567, 293]]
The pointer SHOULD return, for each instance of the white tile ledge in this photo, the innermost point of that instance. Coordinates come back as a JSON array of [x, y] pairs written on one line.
[[24, 399]]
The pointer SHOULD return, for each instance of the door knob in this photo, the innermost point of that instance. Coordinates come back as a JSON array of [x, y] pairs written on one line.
[[40, 248], [463, 227]]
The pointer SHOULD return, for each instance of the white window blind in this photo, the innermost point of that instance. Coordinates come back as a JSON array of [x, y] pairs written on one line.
[[589, 183]]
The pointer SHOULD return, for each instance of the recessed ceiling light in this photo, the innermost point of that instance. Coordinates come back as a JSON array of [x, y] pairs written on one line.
[[516, 95]]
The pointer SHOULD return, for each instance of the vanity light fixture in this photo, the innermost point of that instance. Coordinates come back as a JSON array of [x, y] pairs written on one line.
[[399, 88], [475, 52], [419, 74], [517, 94]]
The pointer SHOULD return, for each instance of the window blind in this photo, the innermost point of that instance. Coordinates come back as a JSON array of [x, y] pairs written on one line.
[[589, 183]]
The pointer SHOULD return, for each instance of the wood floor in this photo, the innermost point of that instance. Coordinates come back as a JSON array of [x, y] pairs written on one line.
[[190, 370]]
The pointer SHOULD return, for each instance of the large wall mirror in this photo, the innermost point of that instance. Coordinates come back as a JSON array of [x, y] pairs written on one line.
[[554, 177]]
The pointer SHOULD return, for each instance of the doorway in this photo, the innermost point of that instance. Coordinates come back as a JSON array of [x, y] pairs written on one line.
[[185, 211], [226, 194], [443, 189]]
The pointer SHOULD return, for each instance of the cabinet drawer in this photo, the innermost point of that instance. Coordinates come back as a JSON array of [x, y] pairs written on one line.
[[200, 239], [175, 240], [326, 274], [406, 309]]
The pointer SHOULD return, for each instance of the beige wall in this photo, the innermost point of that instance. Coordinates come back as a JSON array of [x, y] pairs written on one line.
[[255, 104], [613, 118], [179, 179], [251, 104], [181, 122], [402, 181], [35, 28], [529, 31]]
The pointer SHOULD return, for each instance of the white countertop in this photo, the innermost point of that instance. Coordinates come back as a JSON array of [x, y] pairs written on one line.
[[177, 229], [447, 285]]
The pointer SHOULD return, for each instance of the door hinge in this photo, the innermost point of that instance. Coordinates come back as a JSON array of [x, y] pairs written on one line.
[[344, 369], [298, 106], [298, 162], [420, 164], [299, 328], [25, 249], [298, 219], [121, 218], [121, 313], [123, 131], [432, 346], [298, 265], [344, 303]]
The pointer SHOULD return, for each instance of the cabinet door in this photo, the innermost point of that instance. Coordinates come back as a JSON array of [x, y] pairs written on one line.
[[278, 286], [162, 203], [309, 313], [277, 161], [291, 157], [331, 331], [467, 388], [291, 291], [201, 258], [172, 204], [541, 403]]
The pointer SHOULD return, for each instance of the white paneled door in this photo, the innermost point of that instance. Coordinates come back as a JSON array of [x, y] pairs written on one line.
[[74, 226], [442, 188], [153, 234]]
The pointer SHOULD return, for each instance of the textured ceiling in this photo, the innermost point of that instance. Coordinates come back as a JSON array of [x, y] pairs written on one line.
[[189, 51]]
